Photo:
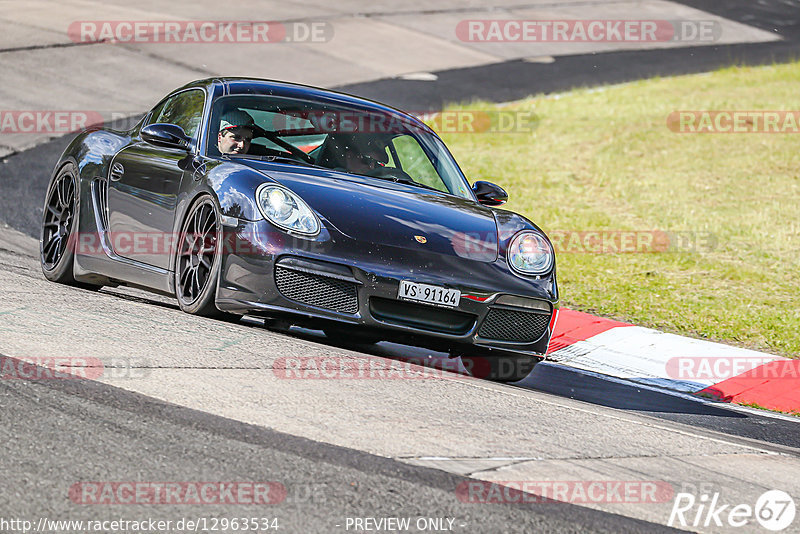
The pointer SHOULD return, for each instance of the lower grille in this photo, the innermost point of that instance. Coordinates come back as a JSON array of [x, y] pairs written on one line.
[[515, 326], [316, 290], [420, 316]]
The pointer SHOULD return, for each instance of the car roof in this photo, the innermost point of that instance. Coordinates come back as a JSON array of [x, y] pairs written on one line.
[[245, 86]]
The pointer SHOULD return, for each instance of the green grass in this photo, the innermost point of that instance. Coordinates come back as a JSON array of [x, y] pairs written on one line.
[[605, 159], [759, 407]]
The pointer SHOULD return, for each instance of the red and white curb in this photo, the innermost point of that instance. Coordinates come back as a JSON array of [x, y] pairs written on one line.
[[677, 363]]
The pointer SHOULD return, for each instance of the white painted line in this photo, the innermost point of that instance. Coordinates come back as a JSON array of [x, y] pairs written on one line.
[[546, 60], [419, 76], [643, 355]]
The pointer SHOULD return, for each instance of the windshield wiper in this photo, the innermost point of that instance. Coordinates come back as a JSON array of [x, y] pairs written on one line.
[[284, 159], [405, 181]]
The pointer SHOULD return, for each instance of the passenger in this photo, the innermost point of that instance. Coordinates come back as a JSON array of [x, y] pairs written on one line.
[[354, 153], [235, 132], [370, 155]]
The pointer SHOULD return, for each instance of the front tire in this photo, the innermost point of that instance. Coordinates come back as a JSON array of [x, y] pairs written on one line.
[[346, 335], [500, 368], [198, 259]]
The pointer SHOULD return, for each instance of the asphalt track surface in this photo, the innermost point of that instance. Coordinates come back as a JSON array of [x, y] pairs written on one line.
[[89, 427]]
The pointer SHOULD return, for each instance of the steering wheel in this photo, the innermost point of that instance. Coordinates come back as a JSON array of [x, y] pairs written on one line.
[[293, 150]]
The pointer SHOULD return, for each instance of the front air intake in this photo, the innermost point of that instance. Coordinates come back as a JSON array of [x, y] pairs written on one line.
[[317, 290], [502, 324]]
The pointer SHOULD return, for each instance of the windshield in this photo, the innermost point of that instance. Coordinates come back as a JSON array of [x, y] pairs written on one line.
[[358, 141]]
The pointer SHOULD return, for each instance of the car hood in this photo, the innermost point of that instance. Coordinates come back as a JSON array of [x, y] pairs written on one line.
[[388, 213]]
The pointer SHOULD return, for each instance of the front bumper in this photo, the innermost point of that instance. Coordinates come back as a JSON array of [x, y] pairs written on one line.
[[336, 279]]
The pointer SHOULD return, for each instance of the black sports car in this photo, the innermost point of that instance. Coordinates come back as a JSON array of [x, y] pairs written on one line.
[[242, 196]]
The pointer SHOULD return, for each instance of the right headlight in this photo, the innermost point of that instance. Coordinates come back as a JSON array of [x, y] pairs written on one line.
[[287, 210], [530, 253]]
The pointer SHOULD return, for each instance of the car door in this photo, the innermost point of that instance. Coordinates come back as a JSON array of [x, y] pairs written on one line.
[[144, 183]]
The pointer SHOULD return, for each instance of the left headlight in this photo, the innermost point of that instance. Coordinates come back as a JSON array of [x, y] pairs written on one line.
[[287, 210], [530, 253]]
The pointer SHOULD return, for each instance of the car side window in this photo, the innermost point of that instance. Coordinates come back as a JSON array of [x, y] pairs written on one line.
[[413, 160], [184, 109], [156, 111]]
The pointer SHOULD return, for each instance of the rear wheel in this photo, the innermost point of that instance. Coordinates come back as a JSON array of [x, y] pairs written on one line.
[[499, 368], [56, 246], [198, 259]]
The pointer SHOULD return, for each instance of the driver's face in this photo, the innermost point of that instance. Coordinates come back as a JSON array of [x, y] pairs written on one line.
[[234, 141]]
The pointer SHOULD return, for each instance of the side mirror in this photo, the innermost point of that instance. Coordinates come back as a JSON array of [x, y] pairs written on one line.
[[490, 194], [166, 135]]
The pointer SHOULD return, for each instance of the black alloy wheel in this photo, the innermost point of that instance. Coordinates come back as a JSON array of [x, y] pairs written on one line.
[[198, 259]]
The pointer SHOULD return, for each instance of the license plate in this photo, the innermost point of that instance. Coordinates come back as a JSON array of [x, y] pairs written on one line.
[[440, 296]]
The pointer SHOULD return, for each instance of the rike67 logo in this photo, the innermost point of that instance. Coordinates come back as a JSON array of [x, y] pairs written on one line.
[[774, 510]]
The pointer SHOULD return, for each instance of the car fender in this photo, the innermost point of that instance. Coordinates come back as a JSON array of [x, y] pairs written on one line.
[[231, 185], [90, 152], [510, 224], [234, 186]]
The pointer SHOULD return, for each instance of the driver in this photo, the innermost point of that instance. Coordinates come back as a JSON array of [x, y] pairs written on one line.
[[364, 154], [235, 132]]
